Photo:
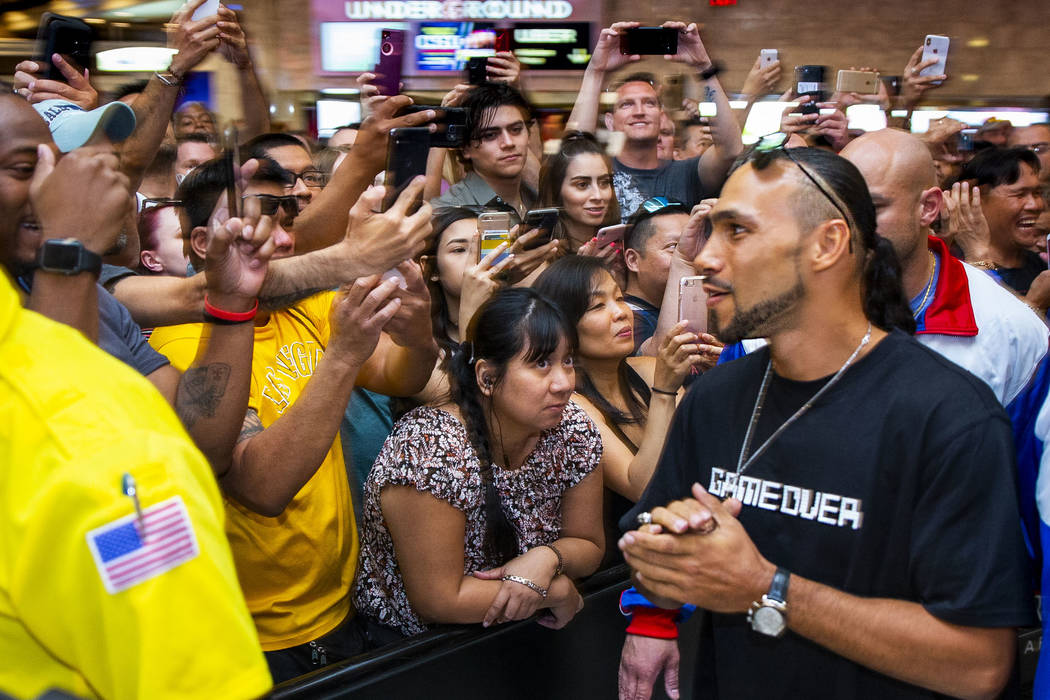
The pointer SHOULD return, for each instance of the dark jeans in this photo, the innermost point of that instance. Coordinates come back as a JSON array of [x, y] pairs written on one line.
[[354, 636]]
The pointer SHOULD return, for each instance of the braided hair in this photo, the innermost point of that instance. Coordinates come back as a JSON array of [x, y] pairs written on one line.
[[512, 322]]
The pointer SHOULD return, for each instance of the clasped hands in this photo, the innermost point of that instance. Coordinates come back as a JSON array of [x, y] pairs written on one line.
[[696, 551]]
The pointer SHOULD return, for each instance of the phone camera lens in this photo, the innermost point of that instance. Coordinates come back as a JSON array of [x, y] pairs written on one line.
[[387, 48]]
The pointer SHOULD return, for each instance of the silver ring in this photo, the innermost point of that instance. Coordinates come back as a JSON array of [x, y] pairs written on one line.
[[645, 518]]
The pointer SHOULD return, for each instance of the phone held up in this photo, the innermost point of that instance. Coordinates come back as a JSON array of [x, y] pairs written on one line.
[[610, 234], [809, 80], [451, 124], [542, 219], [858, 81], [231, 160], [69, 37], [406, 158], [494, 227], [649, 41], [388, 69], [935, 48], [692, 304]]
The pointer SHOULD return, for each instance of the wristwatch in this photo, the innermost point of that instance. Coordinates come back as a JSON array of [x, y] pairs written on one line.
[[769, 615], [67, 256]]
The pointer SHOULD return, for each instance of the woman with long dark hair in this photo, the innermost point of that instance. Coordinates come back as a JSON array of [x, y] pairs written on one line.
[[631, 399], [484, 508]]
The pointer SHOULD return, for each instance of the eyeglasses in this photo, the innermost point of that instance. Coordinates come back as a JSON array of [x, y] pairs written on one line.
[[270, 204], [311, 177], [1041, 147], [769, 144]]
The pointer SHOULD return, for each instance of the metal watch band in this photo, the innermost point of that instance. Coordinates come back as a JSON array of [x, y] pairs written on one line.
[[778, 590]]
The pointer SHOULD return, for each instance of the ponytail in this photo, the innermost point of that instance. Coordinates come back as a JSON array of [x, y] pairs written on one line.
[[884, 302]]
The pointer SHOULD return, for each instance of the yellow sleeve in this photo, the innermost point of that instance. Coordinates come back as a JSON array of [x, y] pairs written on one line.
[[185, 632], [179, 343]]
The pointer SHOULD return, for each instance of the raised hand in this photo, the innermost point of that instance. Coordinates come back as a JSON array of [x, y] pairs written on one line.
[[233, 44], [83, 196], [504, 67], [761, 80], [606, 55], [481, 281], [411, 325], [963, 221], [76, 88], [691, 49], [913, 85], [358, 315], [382, 240], [192, 40]]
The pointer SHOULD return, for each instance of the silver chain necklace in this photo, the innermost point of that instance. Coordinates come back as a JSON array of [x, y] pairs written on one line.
[[741, 464]]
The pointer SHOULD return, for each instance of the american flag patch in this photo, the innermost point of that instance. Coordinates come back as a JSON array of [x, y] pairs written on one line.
[[124, 557]]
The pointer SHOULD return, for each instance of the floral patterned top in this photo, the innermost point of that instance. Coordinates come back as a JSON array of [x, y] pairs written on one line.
[[430, 450]]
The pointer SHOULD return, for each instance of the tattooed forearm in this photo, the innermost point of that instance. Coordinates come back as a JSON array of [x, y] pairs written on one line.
[[252, 426], [200, 392], [709, 93]]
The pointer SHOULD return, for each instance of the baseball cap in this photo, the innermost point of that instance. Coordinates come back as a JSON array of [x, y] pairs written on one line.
[[72, 127]]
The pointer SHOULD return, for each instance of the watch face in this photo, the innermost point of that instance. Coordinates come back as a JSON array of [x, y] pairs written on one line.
[[60, 256], [767, 620]]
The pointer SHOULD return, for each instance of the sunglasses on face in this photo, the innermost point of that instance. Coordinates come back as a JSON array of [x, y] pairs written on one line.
[[270, 204], [763, 154]]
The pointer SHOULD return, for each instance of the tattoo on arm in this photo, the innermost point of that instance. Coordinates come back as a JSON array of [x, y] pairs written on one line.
[[283, 301], [252, 426], [709, 93], [200, 392]]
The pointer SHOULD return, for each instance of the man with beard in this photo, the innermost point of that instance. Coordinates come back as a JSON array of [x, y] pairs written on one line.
[[861, 471]]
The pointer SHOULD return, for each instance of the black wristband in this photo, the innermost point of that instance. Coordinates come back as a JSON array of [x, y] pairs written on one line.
[[712, 71], [664, 391], [208, 318]]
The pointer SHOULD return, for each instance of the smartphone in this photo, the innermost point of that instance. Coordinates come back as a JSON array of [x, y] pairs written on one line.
[[477, 70], [649, 41], [406, 158], [494, 227], [809, 80], [965, 138], [67, 36], [858, 81], [692, 303], [451, 125], [610, 234], [231, 159], [768, 57], [209, 8], [388, 69], [935, 47], [502, 40], [543, 219]]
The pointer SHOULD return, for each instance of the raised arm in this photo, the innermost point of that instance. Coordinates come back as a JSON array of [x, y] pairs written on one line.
[[605, 58], [325, 221], [233, 46], [270, 465], [153, 108], [725, 131]]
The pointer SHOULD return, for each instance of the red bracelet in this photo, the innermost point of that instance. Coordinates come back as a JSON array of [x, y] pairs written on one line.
[[231, 316], [653, 622]]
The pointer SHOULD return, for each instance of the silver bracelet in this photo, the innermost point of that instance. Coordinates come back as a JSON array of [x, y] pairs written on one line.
[[526, 582]]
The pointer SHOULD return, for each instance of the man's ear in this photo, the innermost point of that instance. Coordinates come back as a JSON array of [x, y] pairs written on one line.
[[830, 242], [608, 121], [630, 259], [150, 262], [199, 241], [930, 203]]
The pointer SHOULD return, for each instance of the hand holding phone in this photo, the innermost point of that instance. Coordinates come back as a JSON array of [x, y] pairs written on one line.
[[543, 219], [858, 81], [407, 153], [610, 234], [69, 37], [206, 9], [649, 41], [935, 48], [692, 304], [494, 227], [388, 68]]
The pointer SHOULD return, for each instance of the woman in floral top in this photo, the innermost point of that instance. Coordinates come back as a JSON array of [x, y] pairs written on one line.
[[484, 508]]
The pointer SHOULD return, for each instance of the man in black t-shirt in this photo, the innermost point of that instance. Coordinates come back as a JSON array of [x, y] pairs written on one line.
[[869, 545]]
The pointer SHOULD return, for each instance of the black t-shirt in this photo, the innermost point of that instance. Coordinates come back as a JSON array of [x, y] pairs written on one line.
[[1020, 278], [899, 482], [678, 180]]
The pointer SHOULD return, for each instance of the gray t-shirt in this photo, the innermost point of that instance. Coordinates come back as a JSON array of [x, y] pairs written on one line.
[[121, 337], [678, 180]]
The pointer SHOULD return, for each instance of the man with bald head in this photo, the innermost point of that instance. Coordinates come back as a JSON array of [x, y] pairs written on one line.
[[960, 311]]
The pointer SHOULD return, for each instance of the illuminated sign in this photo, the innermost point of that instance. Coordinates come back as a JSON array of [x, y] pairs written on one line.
[[457, 9], [134, 59]]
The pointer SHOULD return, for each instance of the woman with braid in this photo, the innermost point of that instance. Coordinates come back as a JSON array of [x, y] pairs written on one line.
[[484, 509]]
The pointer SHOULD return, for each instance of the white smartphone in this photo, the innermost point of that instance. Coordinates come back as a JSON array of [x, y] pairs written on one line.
[[610, 234], [209, 8], [935, 47], [767, 57], [692, 304]]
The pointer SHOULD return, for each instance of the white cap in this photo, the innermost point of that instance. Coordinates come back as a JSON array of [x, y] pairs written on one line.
[[72, 127]]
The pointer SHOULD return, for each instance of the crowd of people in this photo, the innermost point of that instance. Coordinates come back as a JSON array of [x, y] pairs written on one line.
[[248, 439]]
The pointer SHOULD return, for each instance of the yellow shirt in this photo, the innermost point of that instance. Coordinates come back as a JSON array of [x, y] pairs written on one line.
[[297, 569], [73, 421]]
